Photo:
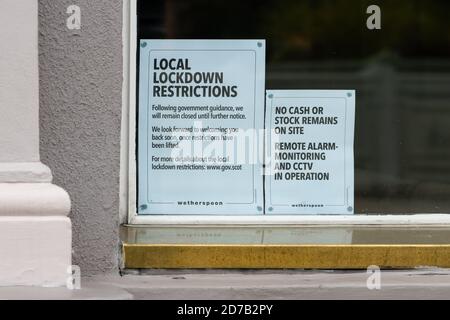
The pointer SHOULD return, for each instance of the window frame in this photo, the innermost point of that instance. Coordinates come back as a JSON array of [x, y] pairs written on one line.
[[128, 168]]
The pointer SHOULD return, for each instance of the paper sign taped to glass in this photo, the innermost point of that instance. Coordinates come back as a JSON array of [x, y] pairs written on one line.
[[311, 169], [197, 100]]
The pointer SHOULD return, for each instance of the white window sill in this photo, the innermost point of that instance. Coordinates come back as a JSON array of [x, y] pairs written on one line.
[[437, 220]]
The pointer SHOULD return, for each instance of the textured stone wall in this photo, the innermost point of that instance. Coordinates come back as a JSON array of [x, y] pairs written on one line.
[[80, 115]]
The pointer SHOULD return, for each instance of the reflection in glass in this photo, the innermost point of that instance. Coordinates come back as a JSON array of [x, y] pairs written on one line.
[[401, 74]]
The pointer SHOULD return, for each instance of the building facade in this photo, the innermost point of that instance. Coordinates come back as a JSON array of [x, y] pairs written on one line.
[[68, 94]]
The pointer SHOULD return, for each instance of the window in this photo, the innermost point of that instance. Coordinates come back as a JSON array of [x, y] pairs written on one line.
[[401, 74]]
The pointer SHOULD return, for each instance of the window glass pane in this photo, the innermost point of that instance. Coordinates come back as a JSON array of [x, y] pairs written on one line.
[[401, 74]]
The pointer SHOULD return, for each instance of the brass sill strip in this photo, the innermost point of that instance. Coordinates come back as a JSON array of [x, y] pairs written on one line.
[[194, 256]]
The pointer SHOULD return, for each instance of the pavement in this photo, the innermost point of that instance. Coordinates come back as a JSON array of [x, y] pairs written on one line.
[[256, 285]]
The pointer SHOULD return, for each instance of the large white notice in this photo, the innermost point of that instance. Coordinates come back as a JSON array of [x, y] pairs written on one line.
[[311, 151], [201, 104]]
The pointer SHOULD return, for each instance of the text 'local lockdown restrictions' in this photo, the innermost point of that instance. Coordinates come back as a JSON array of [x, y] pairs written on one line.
[[196, 98], [311, 151]]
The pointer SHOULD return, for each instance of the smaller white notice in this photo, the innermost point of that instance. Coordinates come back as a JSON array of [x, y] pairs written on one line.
[[310, 147]]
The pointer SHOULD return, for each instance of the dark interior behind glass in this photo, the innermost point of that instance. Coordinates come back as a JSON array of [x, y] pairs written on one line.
[[401, 74]]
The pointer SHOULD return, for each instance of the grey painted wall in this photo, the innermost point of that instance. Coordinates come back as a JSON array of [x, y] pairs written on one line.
[[80, 114]]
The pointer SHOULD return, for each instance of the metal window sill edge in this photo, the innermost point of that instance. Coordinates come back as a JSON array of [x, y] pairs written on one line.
[[416, 220]]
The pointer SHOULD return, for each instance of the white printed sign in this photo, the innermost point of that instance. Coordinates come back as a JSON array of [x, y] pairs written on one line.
[[311, 152], [197, 98]]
